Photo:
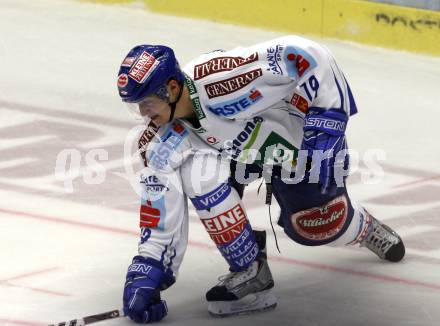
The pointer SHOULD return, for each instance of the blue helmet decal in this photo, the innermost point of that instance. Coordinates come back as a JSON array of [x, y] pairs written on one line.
[[145, 71]]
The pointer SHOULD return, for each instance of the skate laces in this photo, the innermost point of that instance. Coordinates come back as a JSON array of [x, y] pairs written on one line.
[[380, 239], [237, 277]]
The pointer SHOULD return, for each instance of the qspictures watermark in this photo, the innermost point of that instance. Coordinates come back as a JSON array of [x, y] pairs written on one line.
[[73, 165]]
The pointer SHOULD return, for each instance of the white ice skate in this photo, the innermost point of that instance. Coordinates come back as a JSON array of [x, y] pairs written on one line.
[[384, 241], [244, 292]]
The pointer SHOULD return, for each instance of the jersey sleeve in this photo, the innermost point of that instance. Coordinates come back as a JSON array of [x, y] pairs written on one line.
[[163, 213], [163, 218]]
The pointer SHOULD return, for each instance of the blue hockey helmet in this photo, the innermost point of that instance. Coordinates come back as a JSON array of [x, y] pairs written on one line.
[[146, 71]]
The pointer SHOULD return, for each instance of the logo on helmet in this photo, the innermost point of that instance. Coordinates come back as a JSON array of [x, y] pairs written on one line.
[[143, 67], [122, 80], [128, 61]]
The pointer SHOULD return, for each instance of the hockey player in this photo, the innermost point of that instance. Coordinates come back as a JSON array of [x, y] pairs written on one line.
[[249, 104]]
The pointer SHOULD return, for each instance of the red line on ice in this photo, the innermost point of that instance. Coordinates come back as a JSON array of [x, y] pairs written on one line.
[[89, 225], [285, 260], [5, 283], [379, 277], [69, 222], [47, 270], [418, 181]]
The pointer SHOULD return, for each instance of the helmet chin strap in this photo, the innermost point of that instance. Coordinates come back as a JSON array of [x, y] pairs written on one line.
[[173, 104]]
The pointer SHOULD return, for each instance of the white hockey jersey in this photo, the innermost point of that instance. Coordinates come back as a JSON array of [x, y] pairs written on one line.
[[255, 97], [247, 100]]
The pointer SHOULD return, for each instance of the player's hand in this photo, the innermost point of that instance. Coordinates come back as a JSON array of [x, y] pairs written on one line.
[[324, 131], [141, 299]]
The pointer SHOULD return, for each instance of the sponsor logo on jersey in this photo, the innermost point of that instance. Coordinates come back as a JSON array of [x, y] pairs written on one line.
[[212, 198], [233, 84], [300, 103], [275, 150], [321, 223], [198, 108], [324, 123], [233, 147], [146, 137], [298, 61], [122, 80], [242, 251], [220, 64], [201, 130], [169, 142], [153, 186], [149, 216], [211, 140], [194, 98], [237, 105], [274, 58], [227, 226], [143, 67]]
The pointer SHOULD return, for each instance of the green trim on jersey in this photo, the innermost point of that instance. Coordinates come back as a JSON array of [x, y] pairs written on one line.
[[194, 98]]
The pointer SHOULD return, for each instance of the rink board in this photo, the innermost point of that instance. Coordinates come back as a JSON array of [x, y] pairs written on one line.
[[384, 25], [65, 254]]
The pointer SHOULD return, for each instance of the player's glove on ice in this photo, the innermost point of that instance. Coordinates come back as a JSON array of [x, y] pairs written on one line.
[[143, 283], [324, 130]]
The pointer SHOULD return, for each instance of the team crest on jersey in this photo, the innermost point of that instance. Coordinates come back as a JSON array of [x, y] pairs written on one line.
[[298, 61], [237, 105], [220, 64]]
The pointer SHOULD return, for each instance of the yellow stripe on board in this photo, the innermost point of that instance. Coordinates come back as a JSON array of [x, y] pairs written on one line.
[[366, 22], [283, 15], [383, 25], [108, 2]]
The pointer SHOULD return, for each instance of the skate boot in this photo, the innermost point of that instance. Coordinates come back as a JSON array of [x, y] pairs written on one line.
[[244, 292], [383, 241]]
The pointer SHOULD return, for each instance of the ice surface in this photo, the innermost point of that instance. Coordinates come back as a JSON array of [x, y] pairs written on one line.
[[64, 255]]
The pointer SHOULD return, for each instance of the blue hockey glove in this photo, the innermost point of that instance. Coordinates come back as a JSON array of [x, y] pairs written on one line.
[[324, 130], [143, 283]]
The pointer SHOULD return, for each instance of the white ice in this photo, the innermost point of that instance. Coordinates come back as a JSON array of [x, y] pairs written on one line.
[[64, 255]]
